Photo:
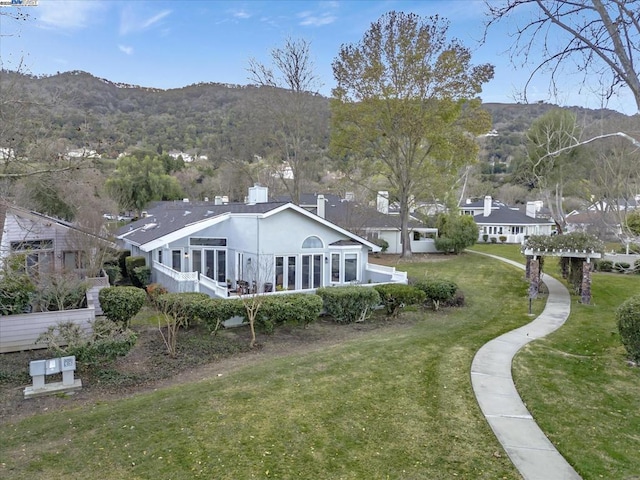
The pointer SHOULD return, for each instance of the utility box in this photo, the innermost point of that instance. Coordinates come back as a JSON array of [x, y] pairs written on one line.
[[52, 366], [39, 369]]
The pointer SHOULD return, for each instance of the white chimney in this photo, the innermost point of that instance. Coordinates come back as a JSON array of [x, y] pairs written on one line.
[[258, 194], [531, 209], [320, 205], [487, 206], [382, 202]]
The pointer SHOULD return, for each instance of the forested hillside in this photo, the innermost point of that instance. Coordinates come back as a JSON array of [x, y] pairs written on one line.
[[230, 125]]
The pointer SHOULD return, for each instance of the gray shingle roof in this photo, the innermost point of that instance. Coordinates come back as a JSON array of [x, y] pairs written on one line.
[[168, 217], [507, 216]]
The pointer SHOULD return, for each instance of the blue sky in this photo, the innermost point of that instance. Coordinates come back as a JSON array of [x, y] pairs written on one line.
[[173, 44]]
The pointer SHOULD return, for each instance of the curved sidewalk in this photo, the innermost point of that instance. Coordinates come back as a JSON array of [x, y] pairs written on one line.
[[527, 446]]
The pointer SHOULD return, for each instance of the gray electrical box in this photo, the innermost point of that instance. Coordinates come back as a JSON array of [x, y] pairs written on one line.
[[68, 363], [37, 367], [52, 366]]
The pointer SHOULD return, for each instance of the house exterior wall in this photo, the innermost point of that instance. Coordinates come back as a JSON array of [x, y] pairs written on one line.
[[514, 233], [20, 229], [392, 237], [253, 241]]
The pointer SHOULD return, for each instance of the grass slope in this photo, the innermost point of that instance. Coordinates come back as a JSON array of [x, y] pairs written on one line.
[[395, 403]]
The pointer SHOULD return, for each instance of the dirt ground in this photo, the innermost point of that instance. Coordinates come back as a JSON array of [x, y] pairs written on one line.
[[147, 367]]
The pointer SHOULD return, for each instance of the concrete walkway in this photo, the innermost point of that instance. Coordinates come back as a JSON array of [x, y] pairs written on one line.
[[527, 446]]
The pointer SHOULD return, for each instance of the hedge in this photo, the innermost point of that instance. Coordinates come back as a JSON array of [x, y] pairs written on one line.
[[437, 291], [131, 264], [295, 308], [349, 304], [395, 296]]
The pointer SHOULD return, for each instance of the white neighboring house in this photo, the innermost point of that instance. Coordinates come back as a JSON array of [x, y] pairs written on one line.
[[496, 220], [216, 248], [372, 223]]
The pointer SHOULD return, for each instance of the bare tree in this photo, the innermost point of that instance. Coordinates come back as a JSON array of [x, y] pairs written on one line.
[[253, 291], [594, 37], [291, 96]]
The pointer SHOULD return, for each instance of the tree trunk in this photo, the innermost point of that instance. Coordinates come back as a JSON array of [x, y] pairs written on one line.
[[405, 238]]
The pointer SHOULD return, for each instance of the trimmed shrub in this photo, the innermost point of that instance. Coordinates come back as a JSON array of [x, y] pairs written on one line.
[[295, 308], [502, 238], [382, 243], [154, 290], [122, 259], [181, 305], [107, 342], [113, 272], [494, 240], [605, 266], [120, 304], [628, 320], [141, 276], [213, 311], [349, 304], [485, 237], [438, 291], [131, 263], [395, 296], [636, 267]]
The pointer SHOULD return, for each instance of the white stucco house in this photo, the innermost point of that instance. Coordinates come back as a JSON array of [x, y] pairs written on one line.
[[260, 246], [496, 220], [378, 223]]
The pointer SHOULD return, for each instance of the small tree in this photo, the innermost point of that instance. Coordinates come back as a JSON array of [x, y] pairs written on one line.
[[257, 272], [456, 232]]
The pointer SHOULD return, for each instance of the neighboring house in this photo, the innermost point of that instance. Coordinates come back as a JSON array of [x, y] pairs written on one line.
[[496, 220], [606, 225], [371, 223], [257, 246], [50, 244]]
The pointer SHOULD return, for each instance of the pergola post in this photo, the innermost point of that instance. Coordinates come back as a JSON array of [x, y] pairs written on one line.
[[586, 283], [534, 278], [527, 270]]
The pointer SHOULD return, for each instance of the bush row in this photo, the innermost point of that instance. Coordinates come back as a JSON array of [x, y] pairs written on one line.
[[619, 267]]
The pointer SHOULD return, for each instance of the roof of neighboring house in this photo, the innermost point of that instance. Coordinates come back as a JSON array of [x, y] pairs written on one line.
[[352, 215], [41, 217], [593, 217], [507, 216], [168, 221]]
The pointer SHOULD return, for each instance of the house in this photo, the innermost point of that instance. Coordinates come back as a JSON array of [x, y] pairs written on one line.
[[496, 220], [372, 223], [259, 246], [606, 225], [50, 244]]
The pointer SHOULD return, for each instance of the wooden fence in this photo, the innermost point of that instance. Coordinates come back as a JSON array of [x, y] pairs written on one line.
[[19, 332]]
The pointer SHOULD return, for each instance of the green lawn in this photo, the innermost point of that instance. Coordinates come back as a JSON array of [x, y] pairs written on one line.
[[395, 403]]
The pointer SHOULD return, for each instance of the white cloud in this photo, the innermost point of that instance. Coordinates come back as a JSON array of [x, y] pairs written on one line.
[[242, 14], [131, 21], [68, 14], [126, 49], [309, 19]]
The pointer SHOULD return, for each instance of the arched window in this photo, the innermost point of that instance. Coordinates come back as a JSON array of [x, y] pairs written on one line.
[[312, 242]]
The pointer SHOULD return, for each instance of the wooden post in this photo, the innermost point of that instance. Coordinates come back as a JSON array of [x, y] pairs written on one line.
[[564, 265], [534, 278], [527, 270], [586, 283]]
